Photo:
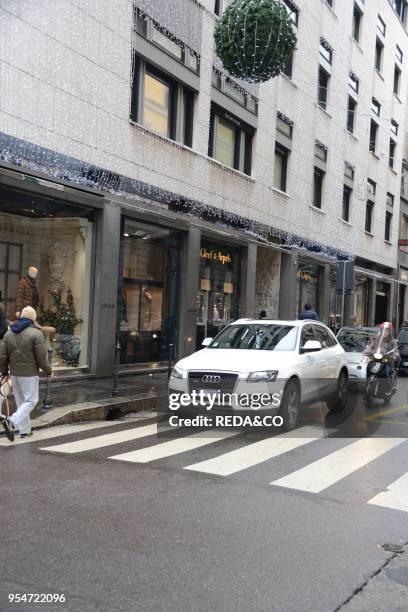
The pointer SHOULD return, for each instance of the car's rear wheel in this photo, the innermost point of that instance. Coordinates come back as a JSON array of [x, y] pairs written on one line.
[[338, 401], [290, 405]]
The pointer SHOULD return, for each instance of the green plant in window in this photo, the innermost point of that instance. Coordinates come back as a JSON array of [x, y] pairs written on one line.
[[61, 315], [254, 39]]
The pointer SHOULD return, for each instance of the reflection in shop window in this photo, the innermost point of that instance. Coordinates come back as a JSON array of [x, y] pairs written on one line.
[[46, 262], [147, 301]]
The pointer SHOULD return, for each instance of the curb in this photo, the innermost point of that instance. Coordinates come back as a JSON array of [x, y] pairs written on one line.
[[102, 410]]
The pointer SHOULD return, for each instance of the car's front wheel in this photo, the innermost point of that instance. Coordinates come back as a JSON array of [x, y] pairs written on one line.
[[338, 401], [290, 405]]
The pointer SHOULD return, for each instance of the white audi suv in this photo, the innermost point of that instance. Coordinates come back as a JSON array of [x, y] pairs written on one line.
[[296, 361]]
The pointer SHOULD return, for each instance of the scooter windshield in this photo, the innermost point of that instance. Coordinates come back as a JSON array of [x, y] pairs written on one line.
[[383, 342]]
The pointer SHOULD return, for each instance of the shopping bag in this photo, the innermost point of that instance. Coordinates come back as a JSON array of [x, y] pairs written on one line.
[[5, 390]]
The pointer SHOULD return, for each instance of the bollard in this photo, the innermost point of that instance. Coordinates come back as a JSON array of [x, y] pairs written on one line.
[[170, 363], [115, 390], [47, 403]]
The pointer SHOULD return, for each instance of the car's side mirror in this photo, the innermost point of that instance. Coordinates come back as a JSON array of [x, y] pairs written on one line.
[[311, 346], [207, 341]]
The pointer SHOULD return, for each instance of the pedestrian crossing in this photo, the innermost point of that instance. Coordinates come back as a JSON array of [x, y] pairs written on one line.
[[228, 453]]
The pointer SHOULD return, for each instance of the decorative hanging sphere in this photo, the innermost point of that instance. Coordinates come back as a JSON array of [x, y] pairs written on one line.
[[254, 39]]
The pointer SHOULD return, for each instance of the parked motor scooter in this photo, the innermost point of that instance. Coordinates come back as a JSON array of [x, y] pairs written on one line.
[[379, 385]]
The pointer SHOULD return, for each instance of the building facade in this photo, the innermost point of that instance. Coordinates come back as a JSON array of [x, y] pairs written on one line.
[[159, 198]]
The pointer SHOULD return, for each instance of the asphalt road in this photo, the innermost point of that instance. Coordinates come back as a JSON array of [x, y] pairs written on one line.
[[142, 532]]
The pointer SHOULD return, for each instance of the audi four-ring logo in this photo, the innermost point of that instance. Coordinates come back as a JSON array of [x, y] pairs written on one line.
[[211, 378]]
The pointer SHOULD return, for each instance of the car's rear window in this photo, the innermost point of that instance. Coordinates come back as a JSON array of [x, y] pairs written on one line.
[[355, 341], [257, 337]]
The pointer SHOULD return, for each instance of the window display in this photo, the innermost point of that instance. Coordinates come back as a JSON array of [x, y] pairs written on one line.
[[217, 300], [46, 263], [148, 292]]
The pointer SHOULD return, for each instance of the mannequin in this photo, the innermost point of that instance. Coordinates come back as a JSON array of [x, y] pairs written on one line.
[[27, 291]]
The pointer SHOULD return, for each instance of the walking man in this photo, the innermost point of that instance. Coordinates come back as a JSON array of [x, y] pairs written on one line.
[[23, 352], [309, 313]]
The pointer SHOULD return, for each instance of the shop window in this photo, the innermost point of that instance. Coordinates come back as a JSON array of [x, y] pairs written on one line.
[[387, 227], [351, 114], [230, 140], [46, 259], [162, 104], [308, 286], [347, 191], [218, 296], [357, 18], [323, 86], [148, 292], [10, 273], [369, 217], [318, 180], [379, 48], [397, 80], [280, 167]]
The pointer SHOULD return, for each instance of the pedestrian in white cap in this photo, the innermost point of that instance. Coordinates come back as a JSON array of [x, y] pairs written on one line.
[[23, 354]]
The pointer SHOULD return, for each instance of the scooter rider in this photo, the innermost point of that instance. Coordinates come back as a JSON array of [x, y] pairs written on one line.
[[386, 344]]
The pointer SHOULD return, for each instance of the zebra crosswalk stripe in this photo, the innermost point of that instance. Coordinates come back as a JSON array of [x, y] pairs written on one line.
[[56, 432], [395, 497], [110, 439], [257, 452], [173, 447], [323, 473]]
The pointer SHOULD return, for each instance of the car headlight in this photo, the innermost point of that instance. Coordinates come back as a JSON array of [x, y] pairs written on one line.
[[263, 376], [178, 373]]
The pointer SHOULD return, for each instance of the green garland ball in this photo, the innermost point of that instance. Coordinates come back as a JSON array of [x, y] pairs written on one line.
[[254, 39]]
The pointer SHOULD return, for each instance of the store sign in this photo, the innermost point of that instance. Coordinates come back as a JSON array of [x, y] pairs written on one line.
[[214, 255]]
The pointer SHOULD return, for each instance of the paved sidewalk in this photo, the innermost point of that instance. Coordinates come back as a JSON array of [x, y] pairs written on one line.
[[387, 591]]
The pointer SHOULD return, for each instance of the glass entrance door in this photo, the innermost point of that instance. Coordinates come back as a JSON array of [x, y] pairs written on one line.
[[148, 295]]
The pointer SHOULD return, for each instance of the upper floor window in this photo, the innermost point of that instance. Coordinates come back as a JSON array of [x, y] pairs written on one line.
[[357, 19], [394, 127], [230, 140], [375, 107], [220, 6], [354, 82], [162, 104], [381, 27], [400, 7], [326, 50], [323, 87], [293, 11], [397, 80], [379, 48], [372, 187], [390, 200], [399, 54]]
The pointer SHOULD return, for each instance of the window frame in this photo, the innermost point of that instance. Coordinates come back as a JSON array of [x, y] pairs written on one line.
[[379, 53], [397, 80], [318, 187], [181, 102], [368, 224], [323, 102], [244, 135], [356, 24], [351, 113], [373, 143], [387, 226], [345, 214], [284, 153]]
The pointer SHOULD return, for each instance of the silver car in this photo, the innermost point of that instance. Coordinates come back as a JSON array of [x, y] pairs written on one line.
[[354, 341]]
